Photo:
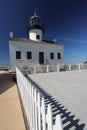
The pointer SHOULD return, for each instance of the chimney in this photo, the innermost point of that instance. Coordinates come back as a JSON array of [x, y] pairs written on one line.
[[11, 34]]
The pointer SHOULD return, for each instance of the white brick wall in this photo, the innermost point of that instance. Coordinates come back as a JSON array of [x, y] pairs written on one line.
[[35, 48]]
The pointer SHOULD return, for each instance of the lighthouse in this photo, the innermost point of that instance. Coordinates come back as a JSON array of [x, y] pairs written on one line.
[[35, 29], [33, 51]]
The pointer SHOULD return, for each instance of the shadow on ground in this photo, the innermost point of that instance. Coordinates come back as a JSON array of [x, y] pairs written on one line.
[[6, 82], [68, 119]]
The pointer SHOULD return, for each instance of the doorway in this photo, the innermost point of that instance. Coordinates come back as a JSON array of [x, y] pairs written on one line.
[[41, 57]]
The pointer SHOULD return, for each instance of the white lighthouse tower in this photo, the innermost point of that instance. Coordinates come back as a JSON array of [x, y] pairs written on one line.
[[35, 29]]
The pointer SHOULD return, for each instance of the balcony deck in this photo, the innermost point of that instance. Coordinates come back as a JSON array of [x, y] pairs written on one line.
[[70, 90]]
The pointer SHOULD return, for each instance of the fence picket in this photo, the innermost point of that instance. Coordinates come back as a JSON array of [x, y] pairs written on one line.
[[43, 115], [32, 104], [36, 110], [39, 113], [49, 117], [58, 123], [33, 113]]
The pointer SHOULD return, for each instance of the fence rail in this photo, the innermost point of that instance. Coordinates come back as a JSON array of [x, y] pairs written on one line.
[[39, 116]]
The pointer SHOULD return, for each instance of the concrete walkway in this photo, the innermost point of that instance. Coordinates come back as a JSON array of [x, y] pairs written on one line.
[[70, 90], [11, 117]]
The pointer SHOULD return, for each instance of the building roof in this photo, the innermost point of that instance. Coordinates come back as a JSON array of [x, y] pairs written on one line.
[[25, 40], [30, 27]]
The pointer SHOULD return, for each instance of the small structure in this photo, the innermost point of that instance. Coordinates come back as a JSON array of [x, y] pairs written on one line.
[[25, 52]]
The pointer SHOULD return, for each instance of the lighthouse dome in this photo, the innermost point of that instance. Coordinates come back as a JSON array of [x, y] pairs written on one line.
[[35, 28], [35, 20]]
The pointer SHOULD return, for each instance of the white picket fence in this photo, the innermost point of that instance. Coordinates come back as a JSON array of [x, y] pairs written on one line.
[[38, 116], [55, 68]]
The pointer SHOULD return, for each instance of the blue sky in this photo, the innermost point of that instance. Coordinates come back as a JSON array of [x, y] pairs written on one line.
[[65, 20]]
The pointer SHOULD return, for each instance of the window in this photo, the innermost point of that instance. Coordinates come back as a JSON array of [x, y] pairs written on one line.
[[29, 55], [51, 55], [37, 36], [18, 54], [59, 55]]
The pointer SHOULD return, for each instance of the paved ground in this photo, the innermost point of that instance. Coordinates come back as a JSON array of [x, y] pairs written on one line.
[[11, 117], [70, 90]]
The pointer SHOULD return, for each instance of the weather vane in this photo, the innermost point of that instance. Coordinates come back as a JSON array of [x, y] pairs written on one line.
[[35, 11]]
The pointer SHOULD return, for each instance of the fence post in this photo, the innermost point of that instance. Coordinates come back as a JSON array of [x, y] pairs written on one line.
[[34, 69], [47, 68], [79, 66], [57, 68], [69, 67]]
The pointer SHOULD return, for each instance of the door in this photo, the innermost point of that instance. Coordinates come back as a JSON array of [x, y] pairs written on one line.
[[41, 57]]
